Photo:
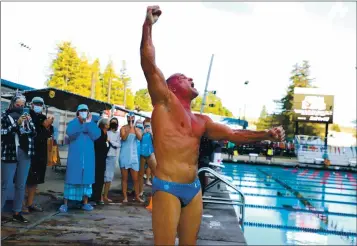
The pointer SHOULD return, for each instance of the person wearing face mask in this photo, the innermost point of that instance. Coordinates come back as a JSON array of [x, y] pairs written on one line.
[[114, 143], [38, 165], [101, 146], [80, 174], [17, 148], [146, 156], [129, 156]]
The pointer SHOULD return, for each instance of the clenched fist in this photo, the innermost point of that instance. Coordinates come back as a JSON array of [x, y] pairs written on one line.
[[276, 134], [152, 14]]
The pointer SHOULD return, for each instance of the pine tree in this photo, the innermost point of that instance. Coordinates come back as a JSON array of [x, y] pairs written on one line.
[[65, 68], [264, 121], [300, 77], [142, 100]]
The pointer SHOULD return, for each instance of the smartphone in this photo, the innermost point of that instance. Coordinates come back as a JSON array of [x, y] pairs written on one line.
[[26, 111]]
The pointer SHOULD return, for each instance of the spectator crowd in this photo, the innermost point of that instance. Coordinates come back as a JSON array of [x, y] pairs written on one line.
[[94, 152]]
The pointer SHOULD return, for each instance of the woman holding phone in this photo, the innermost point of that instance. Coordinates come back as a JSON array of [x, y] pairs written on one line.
[[129, 156], [17, 148]]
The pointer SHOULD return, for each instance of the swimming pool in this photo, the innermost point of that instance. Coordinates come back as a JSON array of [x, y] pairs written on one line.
[[288, 206]]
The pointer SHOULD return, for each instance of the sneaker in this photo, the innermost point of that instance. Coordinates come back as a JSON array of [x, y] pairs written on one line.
[[92, 203], [100, 203], [87, 207], [63, 208], [35, 208], [19, 218], [5, 219], [25, 210]]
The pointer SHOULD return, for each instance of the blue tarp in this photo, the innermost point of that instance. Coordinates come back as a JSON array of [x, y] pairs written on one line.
[[232, 121]]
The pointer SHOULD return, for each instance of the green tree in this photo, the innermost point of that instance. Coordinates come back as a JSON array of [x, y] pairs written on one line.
[[300, 77], [217, 108], [335, 127], [110, 76], [130, 99], [264, 121], [142, 100], [82, 82], [65, 68], [98, 88], [75, 74]]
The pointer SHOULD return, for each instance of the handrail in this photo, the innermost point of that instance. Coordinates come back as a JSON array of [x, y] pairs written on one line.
[[214, 200]]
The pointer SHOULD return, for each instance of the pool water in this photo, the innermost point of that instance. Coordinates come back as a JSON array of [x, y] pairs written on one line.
[[288, 206]]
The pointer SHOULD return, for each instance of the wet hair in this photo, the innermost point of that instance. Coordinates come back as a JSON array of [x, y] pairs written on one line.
[[103, 122]]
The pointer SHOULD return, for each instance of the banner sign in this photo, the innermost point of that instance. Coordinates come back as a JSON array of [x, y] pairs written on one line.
[[311, 106]]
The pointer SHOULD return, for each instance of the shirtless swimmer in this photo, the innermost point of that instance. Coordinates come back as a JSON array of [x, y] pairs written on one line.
[[177, 200]]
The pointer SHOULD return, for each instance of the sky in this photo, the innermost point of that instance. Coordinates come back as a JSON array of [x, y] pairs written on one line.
[[255, 42]]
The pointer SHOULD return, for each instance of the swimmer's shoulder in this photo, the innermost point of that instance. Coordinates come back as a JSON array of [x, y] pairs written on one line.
[[203, 118]]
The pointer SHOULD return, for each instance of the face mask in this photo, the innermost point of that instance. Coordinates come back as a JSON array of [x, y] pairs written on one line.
[[83, 115], [37, 109], [113, 125], [18, 110], [140, 126]]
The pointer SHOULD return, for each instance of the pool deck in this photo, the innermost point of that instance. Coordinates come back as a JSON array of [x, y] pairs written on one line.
[[112, 224], [284, 161]]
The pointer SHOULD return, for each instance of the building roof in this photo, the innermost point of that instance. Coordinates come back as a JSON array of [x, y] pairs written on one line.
[[15, 86]]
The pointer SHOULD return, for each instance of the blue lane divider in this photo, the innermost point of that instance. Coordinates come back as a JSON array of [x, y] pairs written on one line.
[[302, 199], [298, 180], [300, 210], [295, 228], [305, 191], [297, 186], [282, 174], [308, 199], [260, 177], [297, 183]]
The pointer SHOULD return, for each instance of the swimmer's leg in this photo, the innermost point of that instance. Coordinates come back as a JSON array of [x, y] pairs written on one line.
[[165, 217], [190, 221]]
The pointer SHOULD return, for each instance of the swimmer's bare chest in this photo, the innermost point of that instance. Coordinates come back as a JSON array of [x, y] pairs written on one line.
[[177, 134]]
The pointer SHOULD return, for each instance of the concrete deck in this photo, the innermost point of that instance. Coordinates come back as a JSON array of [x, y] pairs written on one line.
[[112, 224]]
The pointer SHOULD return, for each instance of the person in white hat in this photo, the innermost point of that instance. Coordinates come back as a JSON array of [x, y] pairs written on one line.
[[80, 174], [37, 172]]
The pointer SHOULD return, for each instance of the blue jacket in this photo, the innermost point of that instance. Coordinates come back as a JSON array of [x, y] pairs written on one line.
[[81, 157]]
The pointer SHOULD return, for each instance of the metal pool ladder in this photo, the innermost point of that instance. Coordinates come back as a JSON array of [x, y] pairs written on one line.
[[219, 178]]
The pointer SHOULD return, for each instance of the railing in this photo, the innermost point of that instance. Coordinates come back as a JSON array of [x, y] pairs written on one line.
[[218, 178]]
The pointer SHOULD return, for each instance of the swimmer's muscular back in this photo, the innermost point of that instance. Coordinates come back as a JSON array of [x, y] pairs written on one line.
[[177, 133]]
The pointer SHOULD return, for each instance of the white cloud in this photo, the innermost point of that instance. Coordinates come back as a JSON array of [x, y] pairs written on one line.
[[260, 47]]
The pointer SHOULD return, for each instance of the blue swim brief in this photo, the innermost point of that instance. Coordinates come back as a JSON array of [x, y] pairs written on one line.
[[184, 192]]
